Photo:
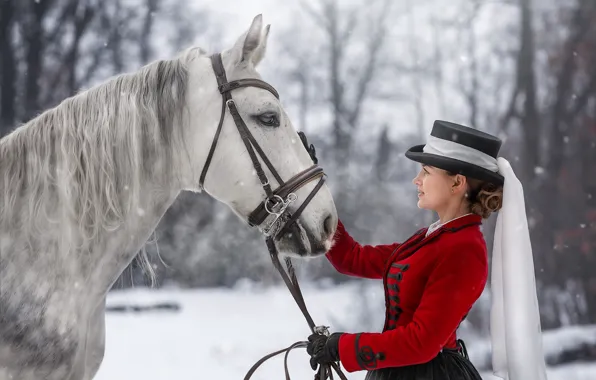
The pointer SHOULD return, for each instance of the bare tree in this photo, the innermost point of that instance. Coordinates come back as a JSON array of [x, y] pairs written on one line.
[[144, 37], [50, 49], [298, 62], [34, 14], [339, 33], [468, 78], [437, 72], [413, 45], [557, 199], [572, 142], [349, 80], [526, 89], [8, 69]]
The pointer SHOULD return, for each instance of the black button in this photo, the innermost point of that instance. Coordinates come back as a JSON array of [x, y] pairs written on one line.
[[380, 356]]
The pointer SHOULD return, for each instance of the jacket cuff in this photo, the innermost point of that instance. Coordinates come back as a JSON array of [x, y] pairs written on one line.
[[355, 357]]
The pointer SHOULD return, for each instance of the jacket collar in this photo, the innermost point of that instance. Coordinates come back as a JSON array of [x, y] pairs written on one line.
[[419, 238], [453, 225], [464, 221]]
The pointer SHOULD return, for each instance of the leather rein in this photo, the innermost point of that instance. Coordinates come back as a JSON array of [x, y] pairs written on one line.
[[273, 211]]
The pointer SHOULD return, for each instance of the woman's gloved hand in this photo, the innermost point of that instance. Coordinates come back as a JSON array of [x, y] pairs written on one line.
[[323, 349]]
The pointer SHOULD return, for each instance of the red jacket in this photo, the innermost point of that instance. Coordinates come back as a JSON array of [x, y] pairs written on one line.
[[430, 285]]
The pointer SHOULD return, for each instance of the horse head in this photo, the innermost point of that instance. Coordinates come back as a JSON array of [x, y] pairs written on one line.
[[224, 165]]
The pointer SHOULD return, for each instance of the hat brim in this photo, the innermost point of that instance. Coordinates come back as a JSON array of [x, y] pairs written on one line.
[[452, 165]]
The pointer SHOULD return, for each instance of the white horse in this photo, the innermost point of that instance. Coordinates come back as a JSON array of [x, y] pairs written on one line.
[[83, 186]]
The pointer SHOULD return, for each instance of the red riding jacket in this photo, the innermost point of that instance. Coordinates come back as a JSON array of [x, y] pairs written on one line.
[[430, 285]]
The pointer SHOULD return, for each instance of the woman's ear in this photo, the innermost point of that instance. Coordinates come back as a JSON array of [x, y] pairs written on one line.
[[460, 183]]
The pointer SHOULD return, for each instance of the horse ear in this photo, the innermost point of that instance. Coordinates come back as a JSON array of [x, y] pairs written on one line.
[[259, 52], [253, 38], [251, 45]]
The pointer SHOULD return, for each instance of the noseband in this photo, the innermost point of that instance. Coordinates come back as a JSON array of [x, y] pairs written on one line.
[[275, 205], [274, 208]]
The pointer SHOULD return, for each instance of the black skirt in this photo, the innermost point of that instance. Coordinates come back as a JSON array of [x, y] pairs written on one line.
[[449, 364]]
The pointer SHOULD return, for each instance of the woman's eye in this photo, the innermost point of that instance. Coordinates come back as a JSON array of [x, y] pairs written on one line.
[[269, 119]]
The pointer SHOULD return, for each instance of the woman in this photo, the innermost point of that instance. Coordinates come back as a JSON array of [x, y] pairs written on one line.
[[433, 279]]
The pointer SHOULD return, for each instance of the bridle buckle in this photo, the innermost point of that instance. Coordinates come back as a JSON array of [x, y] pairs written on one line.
[[280, 203]]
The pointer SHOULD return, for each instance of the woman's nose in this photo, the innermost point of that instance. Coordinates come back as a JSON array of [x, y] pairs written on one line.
[[416, 179]]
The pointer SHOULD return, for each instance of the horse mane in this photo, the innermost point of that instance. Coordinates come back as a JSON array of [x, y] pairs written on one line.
[[83, 162]]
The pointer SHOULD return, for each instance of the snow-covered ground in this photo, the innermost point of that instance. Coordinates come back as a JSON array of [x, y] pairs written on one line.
[[220, 334]]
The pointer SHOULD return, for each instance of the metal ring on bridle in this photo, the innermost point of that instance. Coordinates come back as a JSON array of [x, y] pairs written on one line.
[[289, 199], [275, 204]]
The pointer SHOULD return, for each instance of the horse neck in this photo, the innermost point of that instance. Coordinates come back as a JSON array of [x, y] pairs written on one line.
[[59, 251], [127, 170], [116, 249]]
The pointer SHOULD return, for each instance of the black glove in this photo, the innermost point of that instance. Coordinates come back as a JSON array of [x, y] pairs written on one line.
[[309, 148], [323, 349]]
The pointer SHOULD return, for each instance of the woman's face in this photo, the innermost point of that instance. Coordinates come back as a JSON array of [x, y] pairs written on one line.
[[434, 188]]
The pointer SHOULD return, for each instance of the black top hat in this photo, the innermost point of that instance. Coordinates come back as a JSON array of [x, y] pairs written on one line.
[[462, 150]]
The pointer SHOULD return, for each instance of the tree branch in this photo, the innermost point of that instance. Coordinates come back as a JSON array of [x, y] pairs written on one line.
[[377, 40], [67, 11], [511, 109], [314, 14], [344, 36], [145, 45]]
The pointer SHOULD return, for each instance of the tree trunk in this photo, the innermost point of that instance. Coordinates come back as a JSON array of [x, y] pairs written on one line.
[[8, 72], [304, 96], [337, 96], [530, 119], [34, 37], [82, 20], [145, 45]]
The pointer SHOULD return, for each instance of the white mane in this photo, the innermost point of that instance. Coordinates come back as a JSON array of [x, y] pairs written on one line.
[[83, 161]]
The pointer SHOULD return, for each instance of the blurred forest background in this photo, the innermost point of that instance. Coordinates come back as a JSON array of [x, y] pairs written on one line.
[[364, 80]]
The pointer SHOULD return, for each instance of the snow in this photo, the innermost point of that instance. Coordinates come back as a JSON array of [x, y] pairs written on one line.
[[555, 342], [221, 333], [567, 338]]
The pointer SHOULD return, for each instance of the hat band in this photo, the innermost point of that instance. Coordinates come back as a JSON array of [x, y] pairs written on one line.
[[451, 149]]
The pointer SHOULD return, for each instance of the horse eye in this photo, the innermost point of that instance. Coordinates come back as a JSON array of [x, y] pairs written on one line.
[[268, 119]]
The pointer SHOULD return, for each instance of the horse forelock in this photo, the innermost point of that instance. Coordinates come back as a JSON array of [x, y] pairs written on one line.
[[83, 162]]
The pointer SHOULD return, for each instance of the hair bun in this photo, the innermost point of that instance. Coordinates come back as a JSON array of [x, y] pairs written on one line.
[[488, 199]]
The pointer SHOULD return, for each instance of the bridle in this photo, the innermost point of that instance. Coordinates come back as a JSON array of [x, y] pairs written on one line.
[[274, 209], [275, 205]]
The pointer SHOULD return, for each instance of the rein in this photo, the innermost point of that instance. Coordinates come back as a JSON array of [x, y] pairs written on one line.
[[272, 215], [289, 277]]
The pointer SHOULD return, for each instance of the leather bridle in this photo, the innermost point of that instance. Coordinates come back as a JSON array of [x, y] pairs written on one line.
[[274, 208]]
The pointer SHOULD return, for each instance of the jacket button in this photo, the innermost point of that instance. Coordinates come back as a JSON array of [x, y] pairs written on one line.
[[380, 356]]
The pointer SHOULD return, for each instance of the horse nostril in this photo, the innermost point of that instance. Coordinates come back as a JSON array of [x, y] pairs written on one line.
[[328, 227]]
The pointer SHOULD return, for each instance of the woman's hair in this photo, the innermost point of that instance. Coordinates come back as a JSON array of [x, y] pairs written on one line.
[[483, 197]]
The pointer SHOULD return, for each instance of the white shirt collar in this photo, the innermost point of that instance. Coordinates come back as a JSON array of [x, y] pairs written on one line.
[[436, 225]]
